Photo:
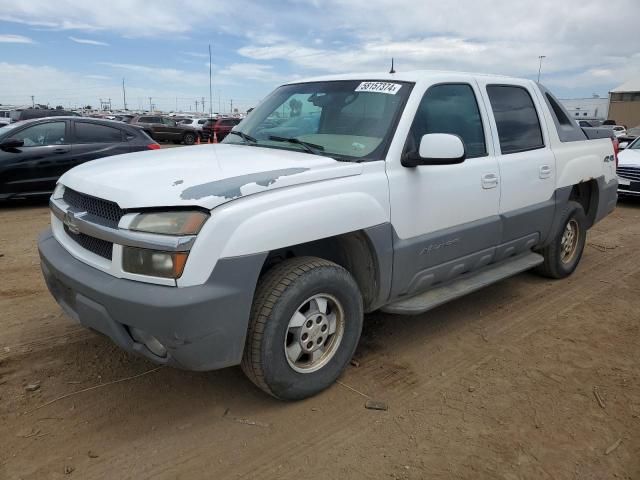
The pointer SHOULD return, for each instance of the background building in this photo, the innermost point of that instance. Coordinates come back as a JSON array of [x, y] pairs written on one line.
[[594, 108], [625, 103]]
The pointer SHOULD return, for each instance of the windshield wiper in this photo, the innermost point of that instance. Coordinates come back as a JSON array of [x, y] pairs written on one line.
[[309, 147], [247, 138]]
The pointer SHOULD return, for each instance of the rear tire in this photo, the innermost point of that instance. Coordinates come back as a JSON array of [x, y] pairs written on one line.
[[562, 255], [189, 139], [290, 351]]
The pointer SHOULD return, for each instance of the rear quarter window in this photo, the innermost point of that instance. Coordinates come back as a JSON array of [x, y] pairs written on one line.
[[95, 133]]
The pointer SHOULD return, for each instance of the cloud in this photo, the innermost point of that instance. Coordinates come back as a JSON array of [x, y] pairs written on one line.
[[87, 41], [7, 38], [162, 74], [196, 54], [68, 88], [251, 71], [132, 18]]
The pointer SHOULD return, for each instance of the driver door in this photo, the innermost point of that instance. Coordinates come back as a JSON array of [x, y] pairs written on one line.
[[445, 217]]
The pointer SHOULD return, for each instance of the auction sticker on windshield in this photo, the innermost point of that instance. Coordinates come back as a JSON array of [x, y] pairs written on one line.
[[379, 87]]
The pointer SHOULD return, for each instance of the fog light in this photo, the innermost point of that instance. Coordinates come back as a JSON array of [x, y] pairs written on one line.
[[153, 262], [149, 341]]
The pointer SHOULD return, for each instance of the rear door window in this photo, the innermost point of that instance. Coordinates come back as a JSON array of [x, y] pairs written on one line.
[[516, 118], [95, 133]]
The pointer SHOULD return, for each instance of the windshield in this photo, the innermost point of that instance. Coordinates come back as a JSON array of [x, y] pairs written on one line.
[[350, 120], [635, 145]]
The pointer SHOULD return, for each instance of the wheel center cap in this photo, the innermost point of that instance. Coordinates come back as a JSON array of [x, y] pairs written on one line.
[[314, 332]]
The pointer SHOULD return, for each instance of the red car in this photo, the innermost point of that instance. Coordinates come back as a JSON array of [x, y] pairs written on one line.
[[221, 126]]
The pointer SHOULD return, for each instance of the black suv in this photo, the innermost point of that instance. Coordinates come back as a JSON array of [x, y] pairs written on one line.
[[35, 153], [166, 129]]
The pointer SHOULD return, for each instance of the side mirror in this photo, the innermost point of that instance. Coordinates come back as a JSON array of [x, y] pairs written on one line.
[[623, 145], [437, 149], [11, 143]]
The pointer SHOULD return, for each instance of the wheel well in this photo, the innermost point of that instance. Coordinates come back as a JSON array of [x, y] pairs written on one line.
[[352, 251], [586, 194]]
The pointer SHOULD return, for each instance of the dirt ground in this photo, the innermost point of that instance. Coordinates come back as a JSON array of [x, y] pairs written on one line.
[[499, 384]]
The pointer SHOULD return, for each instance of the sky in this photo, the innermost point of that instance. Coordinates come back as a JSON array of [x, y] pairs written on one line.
[[72, 53]]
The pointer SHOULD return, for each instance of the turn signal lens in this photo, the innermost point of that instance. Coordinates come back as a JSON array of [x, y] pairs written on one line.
[[153, 263]]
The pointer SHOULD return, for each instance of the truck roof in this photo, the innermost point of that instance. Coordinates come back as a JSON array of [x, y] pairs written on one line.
[[409, 76]]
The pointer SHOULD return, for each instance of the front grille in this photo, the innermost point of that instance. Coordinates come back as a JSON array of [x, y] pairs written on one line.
[[94, 245], [631, 173], [108, 211]]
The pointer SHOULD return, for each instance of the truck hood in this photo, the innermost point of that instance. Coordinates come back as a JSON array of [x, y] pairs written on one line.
[[203, 175]]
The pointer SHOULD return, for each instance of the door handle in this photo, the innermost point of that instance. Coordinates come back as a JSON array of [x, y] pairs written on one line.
[[544, 171], [61, 150], [490, 180]]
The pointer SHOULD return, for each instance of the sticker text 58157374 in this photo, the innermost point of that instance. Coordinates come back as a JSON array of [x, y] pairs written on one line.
[[379, 87]]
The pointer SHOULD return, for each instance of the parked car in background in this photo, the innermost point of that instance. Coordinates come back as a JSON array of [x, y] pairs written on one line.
[[618, 130], [35, 153], [629, 170], [31, 113], [125, 118], [629, 136], [589, 123], [166, 129], [221, 126], [196, 123]]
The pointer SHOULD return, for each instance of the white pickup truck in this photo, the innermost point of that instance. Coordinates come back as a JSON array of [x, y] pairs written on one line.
[[335, 197]]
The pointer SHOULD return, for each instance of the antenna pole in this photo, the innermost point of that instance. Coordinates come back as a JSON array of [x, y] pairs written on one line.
[[210, 91], [124, 95], [392, 69]]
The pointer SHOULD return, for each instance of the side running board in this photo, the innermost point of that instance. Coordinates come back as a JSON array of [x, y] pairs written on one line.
[[466, 284]]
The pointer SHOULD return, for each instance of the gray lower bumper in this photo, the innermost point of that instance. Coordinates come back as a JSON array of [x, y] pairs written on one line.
[[202, 327]]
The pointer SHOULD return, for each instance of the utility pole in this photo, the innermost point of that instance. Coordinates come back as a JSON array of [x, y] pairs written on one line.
[[219, 103], [150, 109], [210, 91], [124, 95], [176, 104], [196, 105], [540, 57], [202, 98], [232, 106], [33, 102]]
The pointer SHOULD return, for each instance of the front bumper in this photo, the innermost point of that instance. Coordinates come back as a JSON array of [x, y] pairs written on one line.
[[629, 188], [202, 327]]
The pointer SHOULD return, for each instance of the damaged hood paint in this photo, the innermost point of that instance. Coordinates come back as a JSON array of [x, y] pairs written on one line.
[[205, 175]]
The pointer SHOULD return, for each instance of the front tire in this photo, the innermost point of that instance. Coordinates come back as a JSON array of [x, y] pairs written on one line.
[[305, 325], [562, 255]]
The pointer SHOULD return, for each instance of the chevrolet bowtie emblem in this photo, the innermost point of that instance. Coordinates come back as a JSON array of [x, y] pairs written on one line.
[[70, 223]]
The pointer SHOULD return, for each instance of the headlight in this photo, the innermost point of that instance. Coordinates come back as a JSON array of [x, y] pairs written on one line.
[[153, 262], [179, 222], [58, 192]]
